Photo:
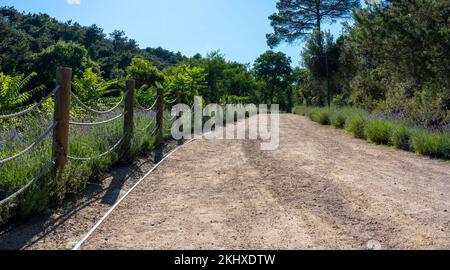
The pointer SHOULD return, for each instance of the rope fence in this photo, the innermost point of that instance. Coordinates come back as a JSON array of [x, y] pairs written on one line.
[[140, 107], [30, 147], [172, 101], [149, 125], [29, 184], [60, 128], [24, 112], [114, 147], [87, 108], [97, 123]]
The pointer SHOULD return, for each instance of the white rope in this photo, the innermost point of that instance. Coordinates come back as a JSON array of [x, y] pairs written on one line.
[[170, 102], [139, 106], [89, 234], [99, 156], [151, 122], [29, 148], [84, 106], [17, 114], [24, 188], [96, 123], [170, 119]]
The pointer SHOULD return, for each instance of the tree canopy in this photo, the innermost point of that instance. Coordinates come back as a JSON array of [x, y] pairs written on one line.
[[275, 69], [296, 19]]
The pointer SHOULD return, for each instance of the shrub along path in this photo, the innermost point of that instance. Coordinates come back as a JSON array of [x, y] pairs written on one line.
[[320, 189]]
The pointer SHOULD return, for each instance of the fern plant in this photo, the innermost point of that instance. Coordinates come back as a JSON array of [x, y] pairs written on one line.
[[12, 94], [91, 89]]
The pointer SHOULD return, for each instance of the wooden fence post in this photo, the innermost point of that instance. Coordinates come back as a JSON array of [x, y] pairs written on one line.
[[61, 117], [159, 127], [128, 124], [180, 141]]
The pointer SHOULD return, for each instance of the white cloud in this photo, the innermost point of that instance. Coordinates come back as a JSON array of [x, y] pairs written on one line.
[[73, 2]]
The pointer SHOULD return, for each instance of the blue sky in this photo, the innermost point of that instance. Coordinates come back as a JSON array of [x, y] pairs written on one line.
[[236, 27]]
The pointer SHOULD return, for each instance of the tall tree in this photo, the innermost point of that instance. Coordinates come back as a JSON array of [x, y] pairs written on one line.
[[298, 18], [275, 69]]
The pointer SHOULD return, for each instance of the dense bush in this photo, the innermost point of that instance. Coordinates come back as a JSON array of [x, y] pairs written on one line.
[[338, 120], [393, 58], [401, 137], [356, 125], [396, 133], [322, 117], [378, 131], [339, 116], [435, 145]]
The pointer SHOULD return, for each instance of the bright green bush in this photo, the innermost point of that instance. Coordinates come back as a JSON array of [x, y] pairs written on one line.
[[339, 118], [401, 137], [378, 131], [364, 126], [322, 116], [300, 110], [435, 145], [355, 125]]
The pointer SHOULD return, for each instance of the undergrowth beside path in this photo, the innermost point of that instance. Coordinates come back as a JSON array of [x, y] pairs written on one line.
[[364, 125]]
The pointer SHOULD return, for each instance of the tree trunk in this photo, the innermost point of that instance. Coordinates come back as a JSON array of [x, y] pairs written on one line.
[[318, 25]]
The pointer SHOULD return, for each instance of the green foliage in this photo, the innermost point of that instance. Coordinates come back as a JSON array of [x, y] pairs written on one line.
[[90, 88], [301, 110], [356, 125], [339, 118], [274, 68], [295, 19], [366, 126], [62, 54], [147, 78], [378, 131], [401, 137], [187, 80], [392, 60], [321, 116], [144, 73], [435, 145], [24, 36], [84, 142], [12, 91]]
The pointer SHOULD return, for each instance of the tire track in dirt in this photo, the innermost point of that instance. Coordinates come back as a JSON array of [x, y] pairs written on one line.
[[320, 189], [343, 216]]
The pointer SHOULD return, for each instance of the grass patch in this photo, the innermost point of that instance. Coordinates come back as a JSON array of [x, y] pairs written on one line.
[[401, 137], [322, 117], [363, 125], [436, 145], [378, 131], [356, 125], [339, 119]]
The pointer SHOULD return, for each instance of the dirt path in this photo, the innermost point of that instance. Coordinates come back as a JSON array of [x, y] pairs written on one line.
[[320, 190]]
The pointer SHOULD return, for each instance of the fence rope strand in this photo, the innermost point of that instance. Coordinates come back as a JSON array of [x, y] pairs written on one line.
[[17, 114], [140, 107], [97, 123], [24, 188], [29, 148], [99, 156], [172, 101], [149, 125], [84, 106], [170, 118]]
